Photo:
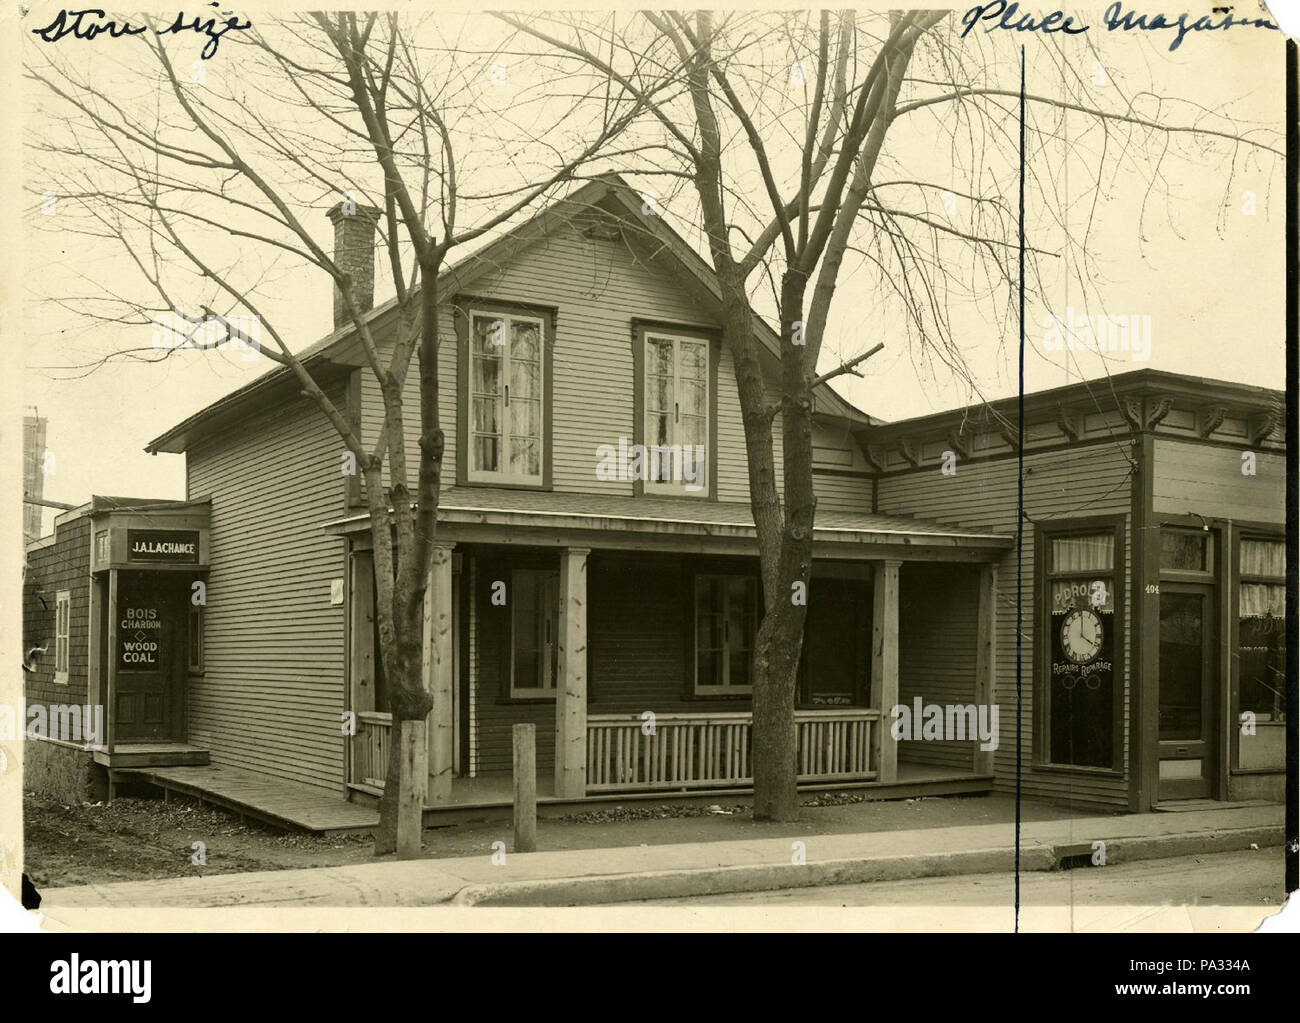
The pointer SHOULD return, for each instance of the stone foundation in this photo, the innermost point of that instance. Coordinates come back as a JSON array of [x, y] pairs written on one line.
[[63, 772]]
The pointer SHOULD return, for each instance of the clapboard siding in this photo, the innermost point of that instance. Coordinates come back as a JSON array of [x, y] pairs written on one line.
[[598, 286], [272, 696], [637, 630], [938, 621], [842, 493], [640, 628], [494, 712], [1059, 484], [1207, 479]]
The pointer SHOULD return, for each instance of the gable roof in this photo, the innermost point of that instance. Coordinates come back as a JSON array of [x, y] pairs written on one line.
[[338, 352]]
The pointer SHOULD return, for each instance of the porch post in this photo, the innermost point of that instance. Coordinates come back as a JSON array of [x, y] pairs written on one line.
[[110, 697], [986, 656], [571, 680], [439, 646], [884, 665]]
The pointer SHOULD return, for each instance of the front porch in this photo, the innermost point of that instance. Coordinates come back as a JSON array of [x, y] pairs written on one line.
[[655, 699]]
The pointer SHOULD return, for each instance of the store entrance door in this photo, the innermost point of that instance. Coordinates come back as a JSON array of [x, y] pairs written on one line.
[[150, 655], [1188, 683]]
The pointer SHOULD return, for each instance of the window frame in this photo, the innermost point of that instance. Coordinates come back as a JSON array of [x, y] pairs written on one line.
[[725, 690], [1270, 533], [550, 665], [711, 338], [1044, 533], [465, 308], [193, 636], [1209, 574], [62, 636]]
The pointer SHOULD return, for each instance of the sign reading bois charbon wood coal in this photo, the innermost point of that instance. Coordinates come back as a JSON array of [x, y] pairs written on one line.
[[174, 545], [141, 638]]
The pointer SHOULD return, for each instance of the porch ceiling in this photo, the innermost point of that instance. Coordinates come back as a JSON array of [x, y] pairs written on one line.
[[609, 513]]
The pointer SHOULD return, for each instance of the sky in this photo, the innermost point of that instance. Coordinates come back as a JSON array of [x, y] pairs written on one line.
[[1197, 270]]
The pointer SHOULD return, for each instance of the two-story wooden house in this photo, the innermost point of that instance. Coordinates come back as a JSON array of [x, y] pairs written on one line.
[[600, 505]]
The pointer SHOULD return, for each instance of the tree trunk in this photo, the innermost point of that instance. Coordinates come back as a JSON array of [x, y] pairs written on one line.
[[401, 808], [776, 661]]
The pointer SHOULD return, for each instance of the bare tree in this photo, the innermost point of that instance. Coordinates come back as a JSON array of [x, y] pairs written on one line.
[[204, 190], [787, 187]]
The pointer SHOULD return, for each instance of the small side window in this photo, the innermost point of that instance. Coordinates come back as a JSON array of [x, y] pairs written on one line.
[[196, 640], [62, 629]]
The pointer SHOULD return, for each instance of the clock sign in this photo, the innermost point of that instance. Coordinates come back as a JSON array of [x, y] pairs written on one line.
[[1081, 635]]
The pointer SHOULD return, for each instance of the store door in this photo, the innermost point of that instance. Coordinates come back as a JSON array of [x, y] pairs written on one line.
[[1187, 687], [149, 655]]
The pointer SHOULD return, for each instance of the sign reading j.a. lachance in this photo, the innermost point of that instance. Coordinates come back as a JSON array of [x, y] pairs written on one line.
[[163, 545]]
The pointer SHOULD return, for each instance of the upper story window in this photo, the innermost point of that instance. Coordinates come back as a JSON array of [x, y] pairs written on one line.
[[505, 381], [675, 408]]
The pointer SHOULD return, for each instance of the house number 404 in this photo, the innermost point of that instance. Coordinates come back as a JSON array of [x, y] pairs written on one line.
[[1153, 587]]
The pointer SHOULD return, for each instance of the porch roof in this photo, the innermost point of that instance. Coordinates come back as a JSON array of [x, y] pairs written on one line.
[[683, 516]]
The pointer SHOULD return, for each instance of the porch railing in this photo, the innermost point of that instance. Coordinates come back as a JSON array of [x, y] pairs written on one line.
[[370, 748], [686, 751], [713, 750]]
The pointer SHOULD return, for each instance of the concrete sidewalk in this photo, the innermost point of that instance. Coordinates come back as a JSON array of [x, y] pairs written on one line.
[[595, 876]]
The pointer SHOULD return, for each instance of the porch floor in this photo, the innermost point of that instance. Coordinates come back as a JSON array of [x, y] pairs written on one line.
[[301, 807], [273, 801]]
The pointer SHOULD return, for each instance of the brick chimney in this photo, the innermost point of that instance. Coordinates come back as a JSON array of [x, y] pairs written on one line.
[[354, 252]]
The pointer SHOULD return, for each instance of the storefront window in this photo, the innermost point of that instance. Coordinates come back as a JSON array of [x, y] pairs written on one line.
[[1080, 624], [1261, 654]]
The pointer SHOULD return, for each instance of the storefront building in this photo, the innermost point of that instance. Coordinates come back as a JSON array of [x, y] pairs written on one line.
[[617, 612]]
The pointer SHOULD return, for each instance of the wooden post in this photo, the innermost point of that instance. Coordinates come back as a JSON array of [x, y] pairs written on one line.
[[439, 647], [110, 699], [571, 685], [986, 657], [884, 665], [410, 810], [361, 652], [525, 773]]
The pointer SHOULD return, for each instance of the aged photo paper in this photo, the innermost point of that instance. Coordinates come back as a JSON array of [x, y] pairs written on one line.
[[589, 468]]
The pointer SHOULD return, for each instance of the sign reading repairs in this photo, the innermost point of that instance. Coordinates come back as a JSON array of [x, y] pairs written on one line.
[[180, 545]]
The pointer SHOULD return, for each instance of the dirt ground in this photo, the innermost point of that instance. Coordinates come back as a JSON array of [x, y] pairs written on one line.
[[140, 839]]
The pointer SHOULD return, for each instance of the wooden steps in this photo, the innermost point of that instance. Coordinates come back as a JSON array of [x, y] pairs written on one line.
[[152, 754]]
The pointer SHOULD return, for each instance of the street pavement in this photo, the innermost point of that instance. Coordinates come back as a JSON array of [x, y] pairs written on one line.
[[604, 876], [1249, 878]]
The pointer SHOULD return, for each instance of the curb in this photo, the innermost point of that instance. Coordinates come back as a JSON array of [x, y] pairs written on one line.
[[667, 884]]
